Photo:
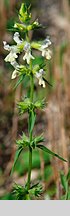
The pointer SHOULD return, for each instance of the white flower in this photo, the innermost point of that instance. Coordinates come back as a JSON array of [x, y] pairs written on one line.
[[44, 49], [11, 57], [46, 43], [14, 74], [6, 46], [27, 55], [39, 77], [17, 39], [13, 52], [42, 82], [48, 54], [27, 47]]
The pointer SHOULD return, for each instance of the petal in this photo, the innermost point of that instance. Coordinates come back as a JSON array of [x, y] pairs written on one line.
[[6, 46], [37, 75], [11, 57], [27, 47], [43, 52], [48, 54], [41, 71], [28, 57], [16, 38], [14, 74], [25, 57], [14, 64], [42, 82]]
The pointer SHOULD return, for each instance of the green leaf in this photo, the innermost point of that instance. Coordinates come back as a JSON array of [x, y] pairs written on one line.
[[17, 154], [50, 152], [32, 118], [39, 60], [64, 181], [68, 175], [19, 81]]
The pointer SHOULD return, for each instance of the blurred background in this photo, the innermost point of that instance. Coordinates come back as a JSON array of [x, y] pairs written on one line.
[[55, 119]]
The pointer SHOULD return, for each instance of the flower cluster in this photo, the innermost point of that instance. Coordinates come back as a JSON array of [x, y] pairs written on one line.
[[25, 47], [27, 50]]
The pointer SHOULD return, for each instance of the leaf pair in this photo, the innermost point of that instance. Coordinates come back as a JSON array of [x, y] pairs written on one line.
[[29, 106], [22, 193]]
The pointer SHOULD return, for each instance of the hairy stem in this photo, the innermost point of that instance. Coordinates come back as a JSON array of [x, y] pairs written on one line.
[[30, 149]]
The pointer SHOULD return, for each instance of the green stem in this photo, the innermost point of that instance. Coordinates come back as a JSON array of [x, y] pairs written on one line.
[[30, 167], [30, 149]]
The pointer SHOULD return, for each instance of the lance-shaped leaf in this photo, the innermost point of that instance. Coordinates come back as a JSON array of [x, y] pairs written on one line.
[[17, 154], [64, 181], [19, 81], [50, 152], [23, 142]]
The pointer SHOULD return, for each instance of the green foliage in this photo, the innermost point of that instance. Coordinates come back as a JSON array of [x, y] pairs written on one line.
[[17, 154], [65, 184], [64, 181], [50, 152], [48, 172], [23, 142], [27, 106], [35, 191], [7, 196], [19, 81], [22, 193]]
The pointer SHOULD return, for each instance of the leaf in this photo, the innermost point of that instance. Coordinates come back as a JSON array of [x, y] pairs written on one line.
[[17, 154], [19, 81], [64, 181], [32, 118], [50, 152], [38, 61], [68, 175]]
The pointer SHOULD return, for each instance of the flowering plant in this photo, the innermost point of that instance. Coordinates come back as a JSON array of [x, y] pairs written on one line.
[[32, 71]]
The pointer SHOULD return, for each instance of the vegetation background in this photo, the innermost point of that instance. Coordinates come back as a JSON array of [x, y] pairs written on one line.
[[55, 119]]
